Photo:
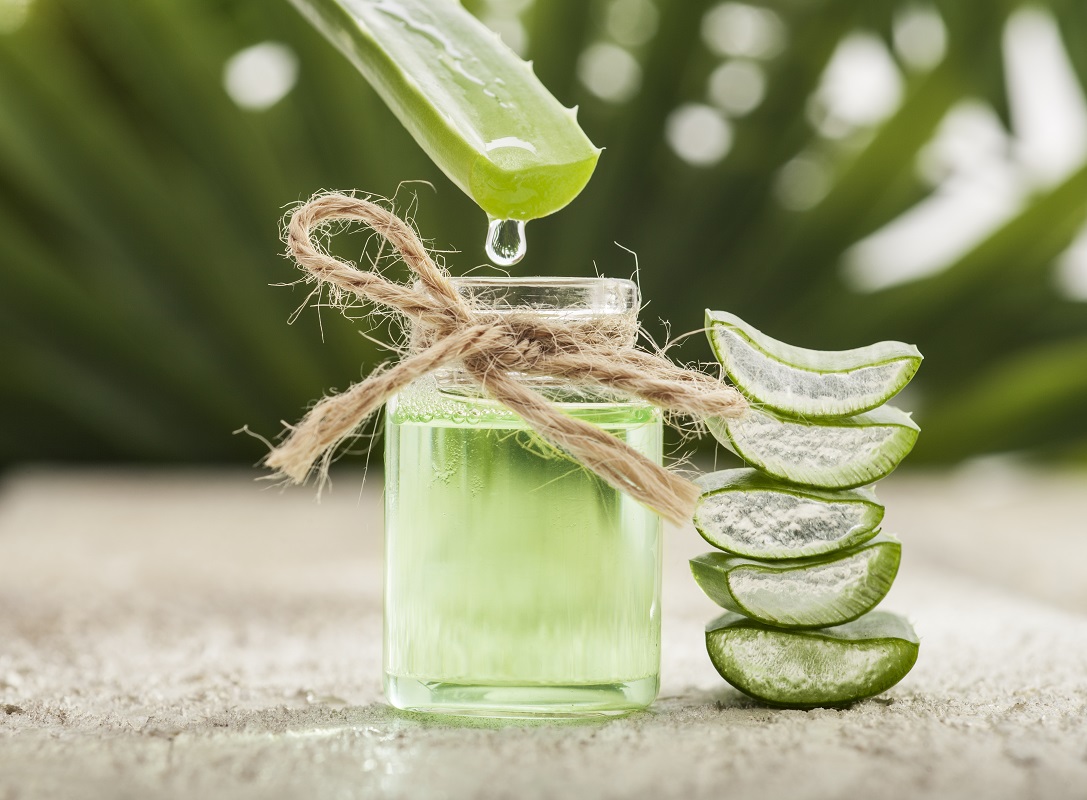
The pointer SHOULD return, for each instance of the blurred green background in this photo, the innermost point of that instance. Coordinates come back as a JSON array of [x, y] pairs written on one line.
[[834, 171]]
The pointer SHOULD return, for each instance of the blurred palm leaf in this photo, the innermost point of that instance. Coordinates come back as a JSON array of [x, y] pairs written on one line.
[[139, 203]]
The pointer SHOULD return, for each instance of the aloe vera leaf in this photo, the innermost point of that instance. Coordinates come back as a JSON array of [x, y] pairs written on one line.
[[804, 593], [809, 383], [471, 103], [108, 184], [806, 669], [839, 453], [748, 513]]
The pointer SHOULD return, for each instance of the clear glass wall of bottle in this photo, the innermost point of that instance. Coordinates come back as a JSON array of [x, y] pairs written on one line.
[[517, 583]]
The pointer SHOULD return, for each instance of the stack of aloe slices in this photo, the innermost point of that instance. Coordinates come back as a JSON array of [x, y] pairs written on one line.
[[804, 561]]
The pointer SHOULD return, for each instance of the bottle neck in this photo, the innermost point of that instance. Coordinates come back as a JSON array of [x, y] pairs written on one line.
[[543, 318]]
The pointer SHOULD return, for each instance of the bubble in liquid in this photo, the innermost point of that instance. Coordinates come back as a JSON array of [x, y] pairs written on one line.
[[506, 243]]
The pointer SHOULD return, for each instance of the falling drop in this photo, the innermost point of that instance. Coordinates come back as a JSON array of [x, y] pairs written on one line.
[[506, 241]]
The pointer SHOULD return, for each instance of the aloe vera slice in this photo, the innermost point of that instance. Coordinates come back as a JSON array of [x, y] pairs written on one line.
[[806, 593], [809, 383], [471, 103], [839, 453], [806, 669], [748, 513]]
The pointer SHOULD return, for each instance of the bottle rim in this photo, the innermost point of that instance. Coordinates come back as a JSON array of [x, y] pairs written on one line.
[[546, 293]]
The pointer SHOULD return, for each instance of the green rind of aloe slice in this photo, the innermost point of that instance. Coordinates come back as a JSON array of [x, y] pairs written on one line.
[[471, 103], [813, 668], [748, 513], [802, 593], [839, 453], [809, 383]]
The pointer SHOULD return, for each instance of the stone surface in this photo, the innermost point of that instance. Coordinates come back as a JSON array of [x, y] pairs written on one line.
[[196, 634]]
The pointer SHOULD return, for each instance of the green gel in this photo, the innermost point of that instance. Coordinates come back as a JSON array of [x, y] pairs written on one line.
[[517, 583]]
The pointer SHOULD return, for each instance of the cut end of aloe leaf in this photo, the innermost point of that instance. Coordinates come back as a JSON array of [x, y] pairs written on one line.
[[839, 453], [471, 103], [749, 513], [809, 383], [807, 593], [807, 669], [510, 186]]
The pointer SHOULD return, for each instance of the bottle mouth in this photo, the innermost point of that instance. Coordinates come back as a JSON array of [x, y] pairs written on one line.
[[589, 296]]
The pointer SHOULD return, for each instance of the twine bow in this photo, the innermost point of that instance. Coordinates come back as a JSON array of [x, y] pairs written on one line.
[[490, 347]]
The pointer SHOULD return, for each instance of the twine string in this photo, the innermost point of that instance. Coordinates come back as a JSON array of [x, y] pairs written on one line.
[[494, 349]]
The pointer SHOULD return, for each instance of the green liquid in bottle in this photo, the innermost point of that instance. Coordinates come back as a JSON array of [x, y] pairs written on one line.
[[516, 582]]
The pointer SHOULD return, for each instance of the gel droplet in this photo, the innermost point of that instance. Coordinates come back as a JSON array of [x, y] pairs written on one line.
[[506, 243]]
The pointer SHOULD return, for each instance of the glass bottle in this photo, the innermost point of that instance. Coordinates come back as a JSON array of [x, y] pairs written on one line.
[[517, 583]]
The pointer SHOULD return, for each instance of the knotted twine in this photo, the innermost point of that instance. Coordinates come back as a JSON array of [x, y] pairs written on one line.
[[494, 349]]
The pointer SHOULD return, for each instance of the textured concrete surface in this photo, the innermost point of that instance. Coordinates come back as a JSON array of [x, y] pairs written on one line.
[[172, 634]]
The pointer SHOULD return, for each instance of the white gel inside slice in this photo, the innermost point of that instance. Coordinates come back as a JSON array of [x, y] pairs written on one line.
[[783, 386], [792, 597], [777, 523]]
